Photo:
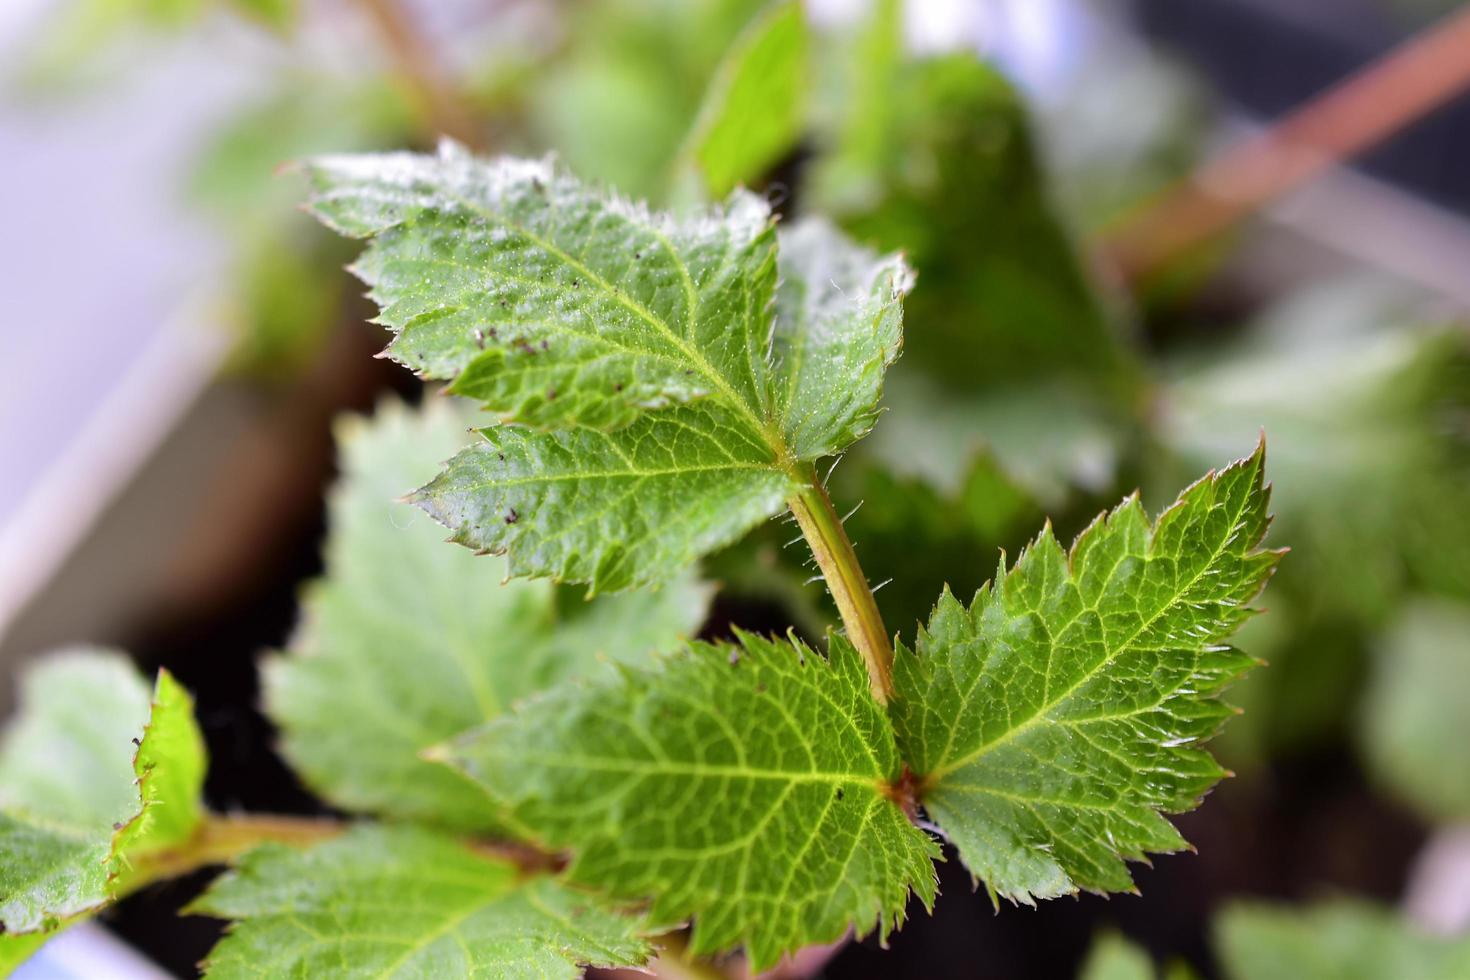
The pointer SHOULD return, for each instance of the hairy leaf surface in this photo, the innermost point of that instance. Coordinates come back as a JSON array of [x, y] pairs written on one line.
[[404, 902], [1053, 721], [89, 774], [408, 641], [741, 785], [666, 392]]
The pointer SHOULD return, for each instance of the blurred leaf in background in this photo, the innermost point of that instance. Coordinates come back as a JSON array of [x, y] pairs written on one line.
[[289, 292], [1416, 719], [935, 156], [1341, 939], [85, 41], [619, 98], [754, 110]]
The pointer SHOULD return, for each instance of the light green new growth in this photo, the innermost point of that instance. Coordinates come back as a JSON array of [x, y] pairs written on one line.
[[408, 642], [386, 903], [664, 391], [748, 786], [1053, 722], [754, 110], [76, 800], [169, 767]]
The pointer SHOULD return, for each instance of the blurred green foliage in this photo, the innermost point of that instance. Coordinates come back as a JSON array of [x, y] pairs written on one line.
[[1028, 389]]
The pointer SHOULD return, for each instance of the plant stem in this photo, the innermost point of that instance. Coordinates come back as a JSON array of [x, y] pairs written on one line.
[[220, 839], [845, 580]]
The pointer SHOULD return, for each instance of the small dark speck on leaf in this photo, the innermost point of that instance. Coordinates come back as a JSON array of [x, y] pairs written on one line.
[[512, 517], [618, 386], [551, 394], [545, 345], [637, 255], [502, 456], [839, 792], [137, 741]]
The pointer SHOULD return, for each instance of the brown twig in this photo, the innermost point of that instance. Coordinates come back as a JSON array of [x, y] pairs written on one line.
[[1402, 86], [416, 61]]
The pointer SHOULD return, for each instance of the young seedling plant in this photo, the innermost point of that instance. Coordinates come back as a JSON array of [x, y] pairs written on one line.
[[539, 785]]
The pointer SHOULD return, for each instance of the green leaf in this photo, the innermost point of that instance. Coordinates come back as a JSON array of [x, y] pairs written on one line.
[[408, 642], [947, 170], [620, 103], [1416, 732], [278, 15], [74, 799], [65, 780], [15, 950], [380, 902], [1363, 403], [169, 767], [754, 109], [745, 786], [1052, 721], [611, 509], [684, 407], [1113, 957], [1344, 940]]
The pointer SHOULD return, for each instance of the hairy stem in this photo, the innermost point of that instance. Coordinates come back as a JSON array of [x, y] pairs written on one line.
[[845, 580]]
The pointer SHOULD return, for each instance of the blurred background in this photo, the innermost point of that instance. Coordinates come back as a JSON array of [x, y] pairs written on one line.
[[1145, 233]]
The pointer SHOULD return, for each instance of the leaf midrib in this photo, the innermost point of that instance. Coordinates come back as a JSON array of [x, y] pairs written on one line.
[[733, 398], [697, 769]]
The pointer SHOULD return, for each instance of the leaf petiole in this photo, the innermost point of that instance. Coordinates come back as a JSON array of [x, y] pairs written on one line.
[[845, 580]]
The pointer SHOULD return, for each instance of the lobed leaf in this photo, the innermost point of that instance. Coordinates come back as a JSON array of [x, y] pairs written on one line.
[[404, 902], [1053, 722], [665, 393], [407, 642], [745, 785]]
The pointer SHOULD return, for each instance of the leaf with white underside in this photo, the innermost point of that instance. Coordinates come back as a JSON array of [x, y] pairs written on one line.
[[1054, 722], [407, 641], [92, 771], [666, 393], [404, 902], [743, 785]]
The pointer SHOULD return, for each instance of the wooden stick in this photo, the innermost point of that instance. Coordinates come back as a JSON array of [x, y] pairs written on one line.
[[1367, 107]]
